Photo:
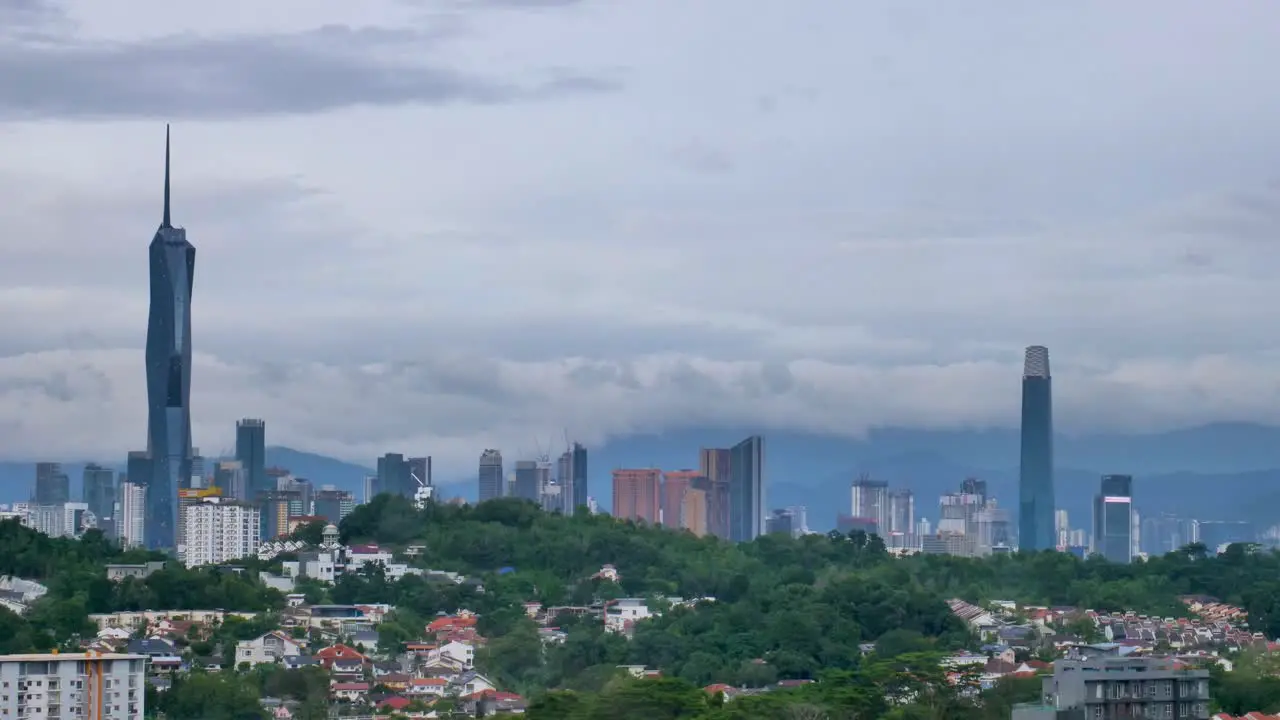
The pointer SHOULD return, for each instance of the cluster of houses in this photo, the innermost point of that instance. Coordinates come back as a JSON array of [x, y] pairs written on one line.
[[408, 682], [1011, 632]]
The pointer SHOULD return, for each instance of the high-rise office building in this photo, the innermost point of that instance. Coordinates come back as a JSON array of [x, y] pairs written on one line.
[[130, 520], [251, 453], [783, 521], [1035, 481], [53, 487], [231, 477], [714, 466], [98, 491], [746, 489], [274, 508], [902, 512], [974, 486], [168, 363], [420, 467], [674, 486], [693, 511], [564, 481], [869, 500], [333, 504], [199, 478], [300, 494], [1113, 519], [393, 477], [578, 473], [492, 483], [528, 484], [637, 495]]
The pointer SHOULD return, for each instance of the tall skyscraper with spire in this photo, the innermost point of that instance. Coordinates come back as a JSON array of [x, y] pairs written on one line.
[[1035, 482], [168, 358]]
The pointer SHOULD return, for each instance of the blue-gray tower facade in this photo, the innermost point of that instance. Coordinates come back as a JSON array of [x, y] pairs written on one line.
[[746, 490], [168, 357], [1035, 481]]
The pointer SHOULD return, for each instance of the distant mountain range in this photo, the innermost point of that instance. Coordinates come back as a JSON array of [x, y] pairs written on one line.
[[1228, 471]]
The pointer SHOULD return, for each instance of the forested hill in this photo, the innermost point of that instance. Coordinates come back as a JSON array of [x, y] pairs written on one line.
[[784, 609], [554, 554]]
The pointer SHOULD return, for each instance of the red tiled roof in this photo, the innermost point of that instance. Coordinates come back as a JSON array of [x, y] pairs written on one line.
[[396, 703], [353, 687]]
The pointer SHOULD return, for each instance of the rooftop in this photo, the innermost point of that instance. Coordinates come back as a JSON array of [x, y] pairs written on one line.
[[54, 657]]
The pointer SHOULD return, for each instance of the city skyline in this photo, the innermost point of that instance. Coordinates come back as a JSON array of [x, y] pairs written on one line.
[[469, 272]]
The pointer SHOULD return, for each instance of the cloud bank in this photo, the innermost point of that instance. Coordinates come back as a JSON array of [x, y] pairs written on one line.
[[439, 227]]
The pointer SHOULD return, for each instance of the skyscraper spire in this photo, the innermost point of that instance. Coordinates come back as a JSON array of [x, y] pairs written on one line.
[[165, 222]]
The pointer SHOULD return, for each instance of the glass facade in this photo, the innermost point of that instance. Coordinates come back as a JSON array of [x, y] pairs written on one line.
[[578, 471], [251, 451], [1035, 481], [168, 358], [1113, 519], [746, 489], [492, 482]]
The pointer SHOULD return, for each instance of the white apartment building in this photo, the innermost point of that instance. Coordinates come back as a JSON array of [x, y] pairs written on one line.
[[217, 532], [72, 685], [62, 520], [131, 514]]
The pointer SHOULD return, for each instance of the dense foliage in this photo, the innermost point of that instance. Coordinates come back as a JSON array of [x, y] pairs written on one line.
[[783, 609], [834, 609], [74, 571]]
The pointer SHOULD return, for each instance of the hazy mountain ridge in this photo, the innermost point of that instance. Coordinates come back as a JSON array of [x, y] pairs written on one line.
[[1222, 471]]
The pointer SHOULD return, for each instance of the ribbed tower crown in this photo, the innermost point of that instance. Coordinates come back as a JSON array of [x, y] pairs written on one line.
[[1036, 364]]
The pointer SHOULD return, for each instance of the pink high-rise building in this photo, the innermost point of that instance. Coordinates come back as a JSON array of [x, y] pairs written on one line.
[[636, 495]]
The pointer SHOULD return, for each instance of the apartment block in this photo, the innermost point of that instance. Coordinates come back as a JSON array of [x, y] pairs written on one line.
[[72, 685]]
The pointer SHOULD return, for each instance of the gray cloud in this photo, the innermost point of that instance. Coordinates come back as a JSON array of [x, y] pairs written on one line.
[[864, 237], [223, 77]]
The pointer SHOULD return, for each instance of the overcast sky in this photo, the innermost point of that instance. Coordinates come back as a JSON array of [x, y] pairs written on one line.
[[443, 225]]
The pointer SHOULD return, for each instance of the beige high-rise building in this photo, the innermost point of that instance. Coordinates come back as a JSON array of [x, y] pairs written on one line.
[[694, 511], [675, 484], [636, 495]]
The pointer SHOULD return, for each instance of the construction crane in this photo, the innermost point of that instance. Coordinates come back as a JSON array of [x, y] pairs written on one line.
[[423, 493]]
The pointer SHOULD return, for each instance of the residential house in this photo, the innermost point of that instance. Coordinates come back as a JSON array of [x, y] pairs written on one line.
[[464, 654], [450, 623], [269, 647], [492, 702], [152, 648], [118, 572], [349, 669], [297, 662], [328, 656], [470, 683], [428, 687], [349, 691]]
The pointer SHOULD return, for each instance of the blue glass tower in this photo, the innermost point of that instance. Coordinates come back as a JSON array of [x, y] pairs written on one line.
[[173, 265], [746, 490], [1035, 481]]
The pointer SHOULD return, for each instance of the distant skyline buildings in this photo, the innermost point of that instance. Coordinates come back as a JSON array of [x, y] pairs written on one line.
[[746, 490], [637, 495], [492, 479], [1035, 476], [168, 371], [714, 467], [53, 487], [869, 502], [1113, 518], [251, 452]]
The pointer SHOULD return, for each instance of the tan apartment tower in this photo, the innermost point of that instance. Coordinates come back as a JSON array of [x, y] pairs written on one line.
[[636, 495]]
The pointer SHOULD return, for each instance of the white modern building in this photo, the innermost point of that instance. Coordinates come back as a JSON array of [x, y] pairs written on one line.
[[72, 685], [61, 520], [131, 513], [216, 532]]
